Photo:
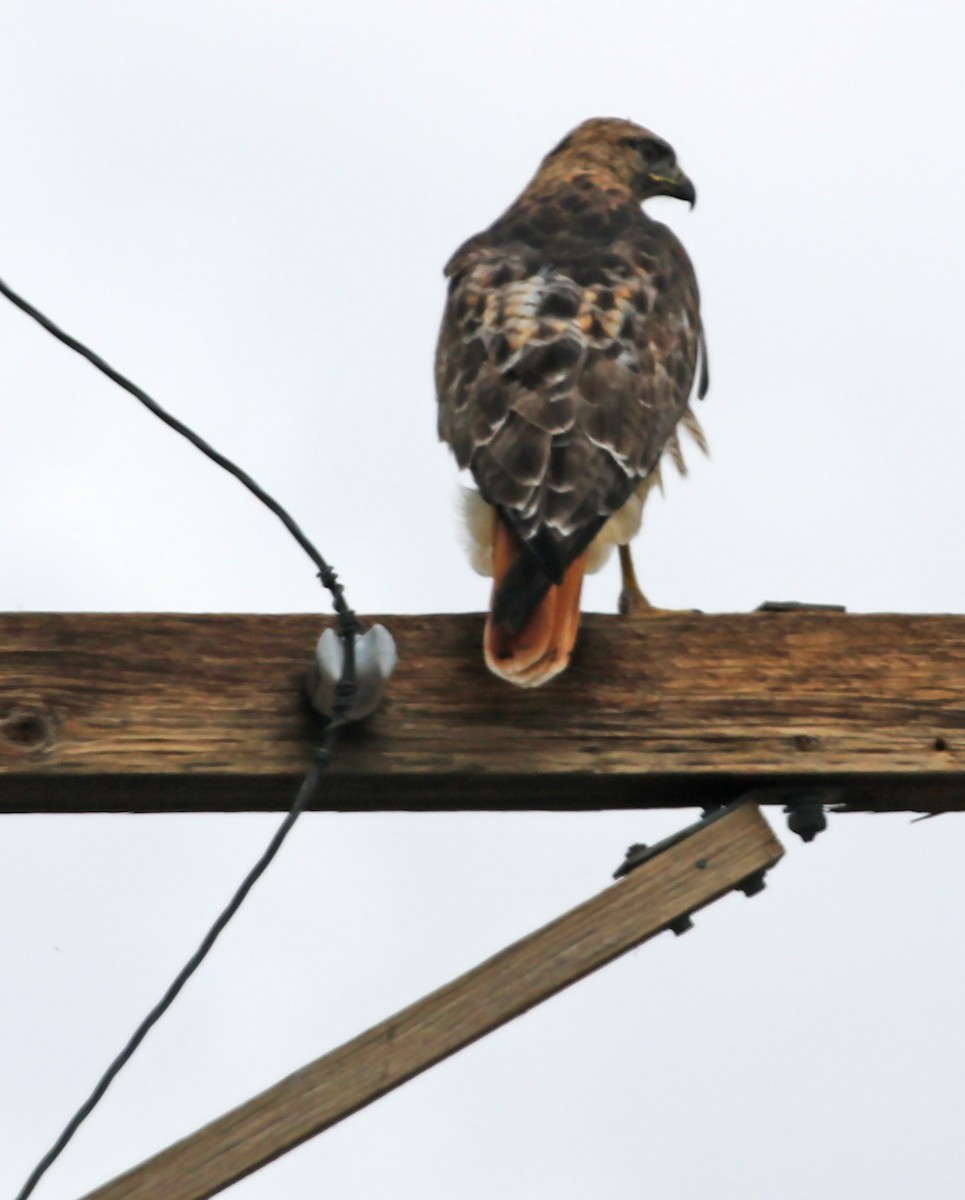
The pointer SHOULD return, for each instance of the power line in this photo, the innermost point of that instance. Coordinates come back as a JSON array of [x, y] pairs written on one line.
[[305, 794], [325, 572], [348, 626]]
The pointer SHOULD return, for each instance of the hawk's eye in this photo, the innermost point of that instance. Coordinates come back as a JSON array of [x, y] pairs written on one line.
[[652, 150]]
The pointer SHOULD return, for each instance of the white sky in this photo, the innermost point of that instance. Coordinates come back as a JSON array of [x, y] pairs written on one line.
[[246, 207]]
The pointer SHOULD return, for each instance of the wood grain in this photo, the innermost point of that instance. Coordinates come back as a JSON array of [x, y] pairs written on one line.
[[159, 712], [694, 872]]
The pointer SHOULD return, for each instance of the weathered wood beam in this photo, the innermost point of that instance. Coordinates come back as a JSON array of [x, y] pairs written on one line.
[[702, 867], [158, 712]]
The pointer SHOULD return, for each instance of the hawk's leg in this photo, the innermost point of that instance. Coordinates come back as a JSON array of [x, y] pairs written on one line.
[[632, 601]]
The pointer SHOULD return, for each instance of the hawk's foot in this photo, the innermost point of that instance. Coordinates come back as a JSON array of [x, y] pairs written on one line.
[[632, 601]]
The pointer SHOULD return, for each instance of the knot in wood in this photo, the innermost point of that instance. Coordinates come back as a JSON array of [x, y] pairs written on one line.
[[26, 729]]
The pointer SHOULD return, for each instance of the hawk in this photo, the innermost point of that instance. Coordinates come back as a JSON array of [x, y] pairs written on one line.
[[569, 350]]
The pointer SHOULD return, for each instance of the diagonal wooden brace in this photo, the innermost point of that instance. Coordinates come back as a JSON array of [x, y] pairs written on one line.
[[716, 857]]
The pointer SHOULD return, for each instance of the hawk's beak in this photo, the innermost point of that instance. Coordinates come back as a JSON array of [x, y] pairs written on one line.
[[671, 181]]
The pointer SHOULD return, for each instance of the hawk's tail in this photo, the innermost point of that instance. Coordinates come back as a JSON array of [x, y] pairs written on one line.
[[532, 623]]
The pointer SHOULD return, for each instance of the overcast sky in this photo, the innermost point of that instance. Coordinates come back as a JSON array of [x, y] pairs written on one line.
[[246, 207]]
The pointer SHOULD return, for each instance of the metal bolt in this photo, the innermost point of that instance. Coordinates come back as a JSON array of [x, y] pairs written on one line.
[[753, 884], [806, 818], [635, 855]]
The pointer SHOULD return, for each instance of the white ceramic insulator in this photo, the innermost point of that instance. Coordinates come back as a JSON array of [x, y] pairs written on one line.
[[375, 659]]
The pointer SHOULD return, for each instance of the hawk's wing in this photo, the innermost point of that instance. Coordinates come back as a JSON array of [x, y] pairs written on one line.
[[561, 378]]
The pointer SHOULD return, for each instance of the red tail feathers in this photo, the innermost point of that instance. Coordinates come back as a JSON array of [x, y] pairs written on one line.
[[532, 655]]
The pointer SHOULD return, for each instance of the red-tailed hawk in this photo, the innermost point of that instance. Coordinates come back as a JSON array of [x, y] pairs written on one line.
[[566, 361]]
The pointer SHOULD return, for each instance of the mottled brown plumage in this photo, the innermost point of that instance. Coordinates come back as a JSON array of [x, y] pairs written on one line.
[[568, 353]]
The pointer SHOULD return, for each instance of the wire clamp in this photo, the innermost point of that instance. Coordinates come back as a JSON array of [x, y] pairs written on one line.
[[375, 659]]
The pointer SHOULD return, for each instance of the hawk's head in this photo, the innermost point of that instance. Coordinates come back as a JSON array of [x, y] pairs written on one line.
[[631, 155]]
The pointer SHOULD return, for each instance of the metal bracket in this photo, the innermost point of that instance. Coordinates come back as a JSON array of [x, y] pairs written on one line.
[[638, 854], [805, 817], [783, 606]]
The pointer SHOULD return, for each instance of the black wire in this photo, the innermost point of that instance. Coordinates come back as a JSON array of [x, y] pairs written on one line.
[[305, 794], [348, 627], [325, 573]]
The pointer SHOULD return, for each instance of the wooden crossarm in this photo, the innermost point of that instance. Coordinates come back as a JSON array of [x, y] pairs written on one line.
[[159, 712]]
